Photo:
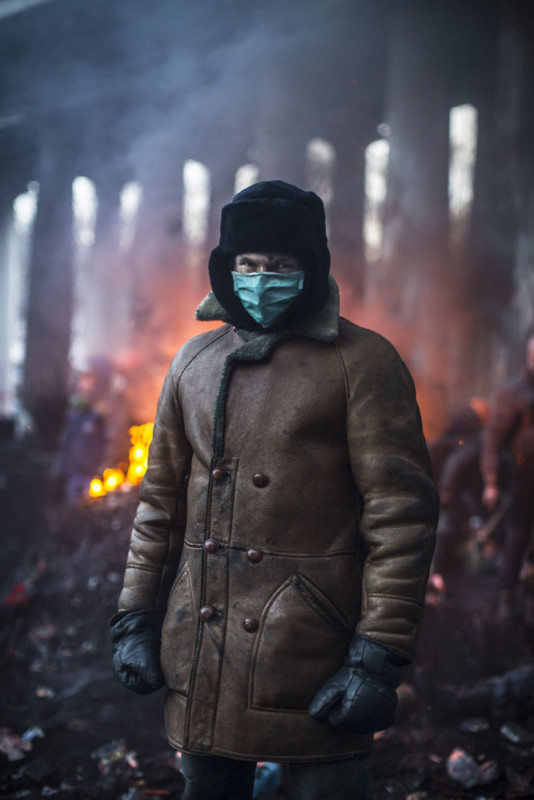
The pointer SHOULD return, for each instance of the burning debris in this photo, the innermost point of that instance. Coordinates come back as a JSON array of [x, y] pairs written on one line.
[[113, 479]]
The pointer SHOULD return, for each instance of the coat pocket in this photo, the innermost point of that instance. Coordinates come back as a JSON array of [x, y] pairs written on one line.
[[302, 640], [178, 633]]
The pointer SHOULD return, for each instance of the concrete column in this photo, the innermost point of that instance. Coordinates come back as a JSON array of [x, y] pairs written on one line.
[[6, 221], [417, 112], [502, 231], [324, 79], [411, 278], [346, 215], [162, 308], [46, 366], [288, 102]]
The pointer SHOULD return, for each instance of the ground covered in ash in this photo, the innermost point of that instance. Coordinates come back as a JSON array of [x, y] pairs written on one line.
[[465, 727]]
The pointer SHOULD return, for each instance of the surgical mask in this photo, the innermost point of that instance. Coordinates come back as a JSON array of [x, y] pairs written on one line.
[[266, 295]]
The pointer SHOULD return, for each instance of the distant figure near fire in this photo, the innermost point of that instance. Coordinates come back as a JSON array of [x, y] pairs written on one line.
[[510, 438], [83, 440], [282, 545]]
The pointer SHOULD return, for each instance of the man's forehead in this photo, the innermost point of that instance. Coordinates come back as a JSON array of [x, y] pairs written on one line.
[[266, 256]]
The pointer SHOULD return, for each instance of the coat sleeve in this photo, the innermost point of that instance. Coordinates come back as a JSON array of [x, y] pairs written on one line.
[[391, 468], [158, 530]]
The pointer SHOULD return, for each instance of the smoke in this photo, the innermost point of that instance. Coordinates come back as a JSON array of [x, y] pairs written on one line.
[[140, 89]]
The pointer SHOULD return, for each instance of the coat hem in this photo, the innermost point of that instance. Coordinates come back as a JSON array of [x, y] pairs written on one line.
[[221, 751]]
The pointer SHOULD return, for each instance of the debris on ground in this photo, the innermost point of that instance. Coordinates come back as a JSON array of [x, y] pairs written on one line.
[[267, 779], [463, 769], [13, 746], [68, 729]]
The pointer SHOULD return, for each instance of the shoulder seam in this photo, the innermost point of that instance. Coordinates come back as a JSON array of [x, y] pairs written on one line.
[[344, 371], [208, 344]]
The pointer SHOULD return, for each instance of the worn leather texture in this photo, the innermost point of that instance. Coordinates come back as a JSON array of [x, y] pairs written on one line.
[[324, 475]]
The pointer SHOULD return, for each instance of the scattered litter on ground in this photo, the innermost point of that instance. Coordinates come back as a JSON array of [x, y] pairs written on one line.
[[474, 725], [463, 769], [13, 746], [469, 690], [517, 734]]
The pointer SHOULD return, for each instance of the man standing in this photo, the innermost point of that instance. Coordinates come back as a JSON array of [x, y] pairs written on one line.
[[510, 438], [288, 502]]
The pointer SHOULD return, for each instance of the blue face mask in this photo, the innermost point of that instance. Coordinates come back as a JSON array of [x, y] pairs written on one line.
[[266, 295]]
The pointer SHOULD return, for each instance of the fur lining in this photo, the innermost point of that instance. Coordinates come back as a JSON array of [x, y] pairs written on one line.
[[257, 349], [322, 326], [210, 310], [258, 346]]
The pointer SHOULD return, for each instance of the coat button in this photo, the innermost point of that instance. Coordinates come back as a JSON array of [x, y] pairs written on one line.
[[260, 480], [250, 625], [211, 545], [207, 612], [254, 555], [219, 474]]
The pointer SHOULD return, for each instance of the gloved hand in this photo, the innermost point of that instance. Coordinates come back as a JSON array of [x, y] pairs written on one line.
[[361, 696], [135, 641]]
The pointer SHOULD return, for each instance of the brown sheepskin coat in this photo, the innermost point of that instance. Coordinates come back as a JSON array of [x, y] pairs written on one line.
[[287, 506]]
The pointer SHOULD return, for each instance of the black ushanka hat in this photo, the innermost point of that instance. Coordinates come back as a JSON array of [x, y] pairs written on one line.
[[272, 217]]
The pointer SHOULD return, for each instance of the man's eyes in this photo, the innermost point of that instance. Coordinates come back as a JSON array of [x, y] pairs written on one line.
[[276, 266]]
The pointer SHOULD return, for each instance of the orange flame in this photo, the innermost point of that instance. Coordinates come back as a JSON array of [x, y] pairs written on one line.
[[113, 479], [96, 488]]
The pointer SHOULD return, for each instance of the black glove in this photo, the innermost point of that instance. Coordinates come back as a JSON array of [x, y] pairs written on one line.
[[135, 640], [361, 696]]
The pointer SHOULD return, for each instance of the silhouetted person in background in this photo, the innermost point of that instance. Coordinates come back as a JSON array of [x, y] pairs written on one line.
[[83, 440], [459, 482], [510, 433], [462, 426]]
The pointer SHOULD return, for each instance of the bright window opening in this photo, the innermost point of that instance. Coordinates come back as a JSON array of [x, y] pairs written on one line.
[[197, 187], [376, 165], [18, 234], [130, 200], [84, 207], [245, 176], [25, 208], [320, 164], [463, 126]]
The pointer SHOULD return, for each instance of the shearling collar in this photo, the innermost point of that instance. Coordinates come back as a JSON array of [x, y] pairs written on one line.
[[322, 326]]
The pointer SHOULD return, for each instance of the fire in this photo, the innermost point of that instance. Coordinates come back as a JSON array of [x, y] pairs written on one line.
[[96, 488], [112, 479]]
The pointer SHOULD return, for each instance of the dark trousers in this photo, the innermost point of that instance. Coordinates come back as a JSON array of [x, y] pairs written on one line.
[[217, 778]]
